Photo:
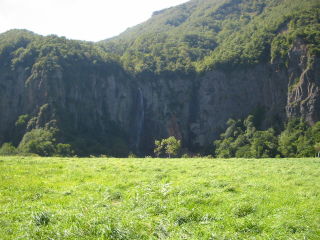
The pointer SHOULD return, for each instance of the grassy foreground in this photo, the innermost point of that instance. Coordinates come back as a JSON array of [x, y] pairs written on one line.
[[70, 198]]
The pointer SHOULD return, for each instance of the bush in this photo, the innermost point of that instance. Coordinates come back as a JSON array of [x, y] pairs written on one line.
[[64, 150], [317, 148], [42, 142], [39, 141], [8, 149]]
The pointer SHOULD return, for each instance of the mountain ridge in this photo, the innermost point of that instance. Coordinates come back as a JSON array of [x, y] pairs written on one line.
[[191, 68]]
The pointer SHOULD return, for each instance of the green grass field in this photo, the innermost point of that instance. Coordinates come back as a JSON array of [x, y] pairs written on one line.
[[100, 198]]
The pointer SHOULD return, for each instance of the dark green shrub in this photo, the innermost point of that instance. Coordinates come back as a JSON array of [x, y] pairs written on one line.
[[38, 141], [7, 149], [64, 150]]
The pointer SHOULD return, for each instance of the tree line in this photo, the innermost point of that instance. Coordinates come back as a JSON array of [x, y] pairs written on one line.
[[39, 141], [243, 140]]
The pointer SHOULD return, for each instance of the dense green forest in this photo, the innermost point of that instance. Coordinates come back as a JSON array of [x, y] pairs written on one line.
[[187, 40], [23, 48], [195, 36], [242, 140], [204, 34]]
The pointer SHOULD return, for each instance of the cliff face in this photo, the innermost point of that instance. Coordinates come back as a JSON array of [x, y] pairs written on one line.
[[104, 102], [236, 94], [168, 107], [196, 109], [82, 101], [304, 84], [182, 73]]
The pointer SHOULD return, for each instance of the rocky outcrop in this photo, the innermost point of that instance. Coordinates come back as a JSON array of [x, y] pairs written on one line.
[[196, 108], [304, 84], [167, 103], [237, 94], [80, 101], [107, 105]]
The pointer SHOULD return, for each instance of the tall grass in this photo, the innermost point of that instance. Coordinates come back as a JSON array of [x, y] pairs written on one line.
[[70, 198]]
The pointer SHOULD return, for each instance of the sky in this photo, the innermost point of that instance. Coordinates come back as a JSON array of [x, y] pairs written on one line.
[[90, 20]]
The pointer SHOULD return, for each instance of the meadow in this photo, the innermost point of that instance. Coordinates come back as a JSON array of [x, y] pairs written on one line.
[[198, 198]]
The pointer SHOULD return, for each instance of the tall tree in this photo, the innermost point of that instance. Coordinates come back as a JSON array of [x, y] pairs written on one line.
[[171, 146]]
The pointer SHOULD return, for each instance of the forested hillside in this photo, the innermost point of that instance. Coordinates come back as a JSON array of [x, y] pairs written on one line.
[[204, 34], [182, 73], [58, 85]]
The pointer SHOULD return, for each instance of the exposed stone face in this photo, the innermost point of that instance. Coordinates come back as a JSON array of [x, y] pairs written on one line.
[[86, 101], [192, 108], [12, 99], [236, 95], [304, 84], [196, 109], [167, 108]]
